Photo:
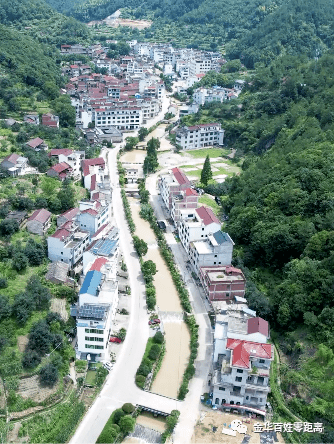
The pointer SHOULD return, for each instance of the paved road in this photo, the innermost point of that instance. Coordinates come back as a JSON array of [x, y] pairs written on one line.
[[120, 386], [191, 406]]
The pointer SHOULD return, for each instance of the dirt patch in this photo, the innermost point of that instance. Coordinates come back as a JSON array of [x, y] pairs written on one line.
[[203, 432], [139, 24], [13, 434], [148, 420], [31, 388], [59, 306], [22, 342], [169, 377], [134, 156], [88, 396]]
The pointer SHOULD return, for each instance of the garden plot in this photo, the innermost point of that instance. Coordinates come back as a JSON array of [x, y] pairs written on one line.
[[31, 388], [59, 306]]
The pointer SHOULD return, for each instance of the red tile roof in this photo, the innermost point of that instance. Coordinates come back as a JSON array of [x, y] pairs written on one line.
[[41, 216], [100, 230], [12, 158], [62, 232], [258, 325], [207, 215], [57, 152], [70, 214], [93, 183], [60, 167], [243, 350], [90, 211], [98, 264], [33, 143], [85, 164], [180, 177], [191, 192]]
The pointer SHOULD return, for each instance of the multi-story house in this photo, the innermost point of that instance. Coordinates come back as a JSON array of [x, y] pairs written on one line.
[[68, 243], [94, 171], [216, 249], [241, 362], [201, 223], [93, 215], [67, 216], [199, 136], [123, 117], [71, 158], [222, 283], [50, 120], [172, 184], [61, 171], [15, 165], [186, 200]]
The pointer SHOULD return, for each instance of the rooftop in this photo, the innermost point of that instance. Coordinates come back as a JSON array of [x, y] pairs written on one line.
[[91, 283], [207, 215], [180, 177], [41, 216], [243, 350], [93, 311]]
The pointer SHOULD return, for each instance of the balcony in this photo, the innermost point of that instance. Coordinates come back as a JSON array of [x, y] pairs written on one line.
[[255, 386]]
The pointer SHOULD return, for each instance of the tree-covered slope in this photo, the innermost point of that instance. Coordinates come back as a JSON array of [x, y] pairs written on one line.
[[296, 27]]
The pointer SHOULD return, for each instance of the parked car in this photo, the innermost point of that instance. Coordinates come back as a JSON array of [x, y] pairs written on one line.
[[115, 339], [154, 321], [108, 366]]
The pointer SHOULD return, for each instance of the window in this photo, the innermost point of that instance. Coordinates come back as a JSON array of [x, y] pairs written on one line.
[[262, 361], [61, 253], [239, 371], [238, 378], [232, 402], [247, 397], [217, 401], [222, 388], [260, 399], [223, 401], [215, 255]]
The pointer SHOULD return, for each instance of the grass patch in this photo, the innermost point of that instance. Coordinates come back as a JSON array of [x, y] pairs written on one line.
[[90, 377], [211, 203], [211, 152], [17, 281]]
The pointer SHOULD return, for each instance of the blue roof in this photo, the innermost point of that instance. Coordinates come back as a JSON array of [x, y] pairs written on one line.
[[105, 247], [221, 237], [92, 281]]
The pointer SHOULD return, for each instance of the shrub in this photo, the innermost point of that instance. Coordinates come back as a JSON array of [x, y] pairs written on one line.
[[158, 337], [128, 408], [48, 375], [140, 381], [127, 424], [3, 283], [118, 414], [31, 359], [143, 370], [154, 352]]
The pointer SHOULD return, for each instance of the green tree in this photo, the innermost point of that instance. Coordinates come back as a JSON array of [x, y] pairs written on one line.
[[140, 246], [206, 173], [20, 261], [127, 424], [142, 133], [149, 267], [48, 375]]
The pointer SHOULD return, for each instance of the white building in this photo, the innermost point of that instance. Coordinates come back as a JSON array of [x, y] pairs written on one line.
[[122, 117], [216, 249], [242, 360], [68, 243], [197, 225], [208, 95], [199, 136], [93, 215]]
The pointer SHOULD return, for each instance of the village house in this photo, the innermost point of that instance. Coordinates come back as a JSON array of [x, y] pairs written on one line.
[[68, 243], [199, 136], [15, 164], [37, 144], [58, 274], [50, 120], [172, 184], [186, 200], [39, 222], [61, 171], [94, 171], [93, 215], [222, 282], [32, 119], [71, 158], [133, 171], [19, 216], [216, 249], [241, 362], [69, 215], [197, 225]]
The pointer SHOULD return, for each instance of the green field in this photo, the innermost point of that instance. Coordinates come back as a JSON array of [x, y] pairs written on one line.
[[211, 152], [211, 203]]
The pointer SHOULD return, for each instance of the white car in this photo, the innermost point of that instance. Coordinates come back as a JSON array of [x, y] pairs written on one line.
[[108, 366]]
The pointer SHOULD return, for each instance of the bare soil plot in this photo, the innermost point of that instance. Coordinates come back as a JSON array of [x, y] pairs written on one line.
[[203, 431], [22, 342], [31, 388], [88, 396], [134, 156], [59, 306], [168, 380]]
